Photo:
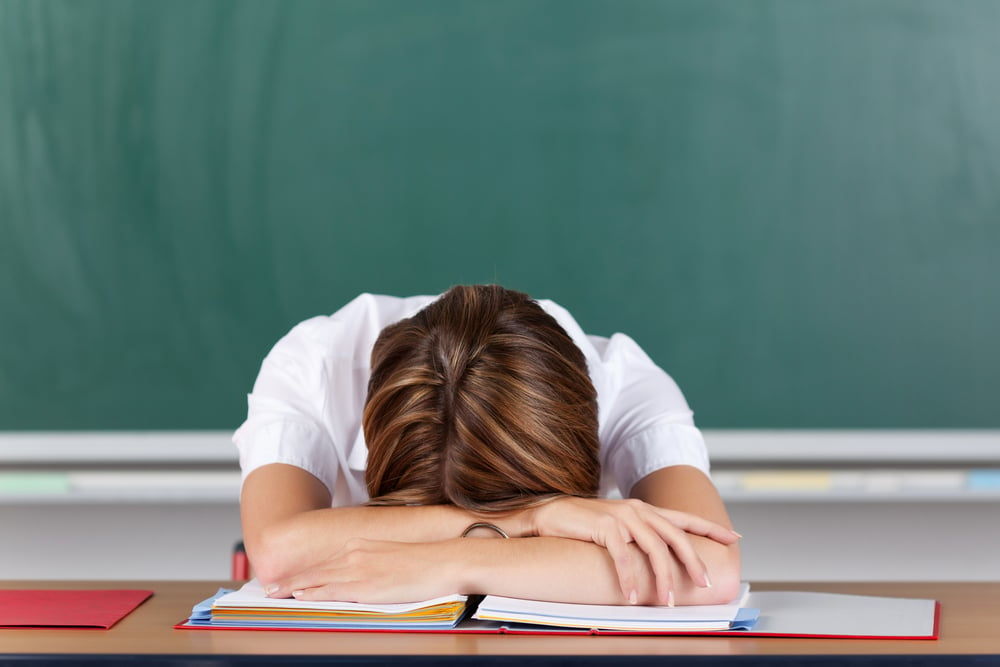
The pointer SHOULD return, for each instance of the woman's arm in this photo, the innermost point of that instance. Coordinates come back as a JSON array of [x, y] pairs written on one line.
[[394, 553], [542, 568], [687, 489], [671, 542], [289, 526]]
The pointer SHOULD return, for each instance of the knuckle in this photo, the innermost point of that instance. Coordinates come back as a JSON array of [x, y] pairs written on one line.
[[354, 544], [634, 503], [355, 559]]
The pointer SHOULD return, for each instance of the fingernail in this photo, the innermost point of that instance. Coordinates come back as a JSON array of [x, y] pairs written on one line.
[[736, 534], [633, 598], [670, 599], [272, 589], [297, 593], [708, 582]]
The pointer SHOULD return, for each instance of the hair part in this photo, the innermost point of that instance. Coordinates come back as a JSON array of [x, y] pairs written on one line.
[[480, 400]]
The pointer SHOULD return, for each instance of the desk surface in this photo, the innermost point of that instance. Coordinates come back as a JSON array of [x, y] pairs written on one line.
[[970, 634]]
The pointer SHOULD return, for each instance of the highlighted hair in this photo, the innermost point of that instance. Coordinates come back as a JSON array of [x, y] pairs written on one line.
[[480, 400]]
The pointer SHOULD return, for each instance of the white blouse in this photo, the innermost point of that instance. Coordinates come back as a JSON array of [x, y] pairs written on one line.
[[306, 405]]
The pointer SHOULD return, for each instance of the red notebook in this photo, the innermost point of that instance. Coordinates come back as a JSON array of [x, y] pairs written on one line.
[[28, 608]]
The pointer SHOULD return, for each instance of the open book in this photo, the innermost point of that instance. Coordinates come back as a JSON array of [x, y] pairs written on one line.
[[752, 614], [250, 608], [599, 618]]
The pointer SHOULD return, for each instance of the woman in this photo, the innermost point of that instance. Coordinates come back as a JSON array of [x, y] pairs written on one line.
[[381, 436]]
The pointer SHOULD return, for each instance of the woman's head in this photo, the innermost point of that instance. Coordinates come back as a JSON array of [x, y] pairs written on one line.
[[480, 400]]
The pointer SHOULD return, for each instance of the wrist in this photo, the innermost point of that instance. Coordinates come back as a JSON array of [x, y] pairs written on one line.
[[527, 521], [467, 565], [537, 517]]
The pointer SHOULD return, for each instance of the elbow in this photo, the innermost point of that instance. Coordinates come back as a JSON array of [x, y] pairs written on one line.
[[726, 590], [269, 562], [726, 577], [723, 563]]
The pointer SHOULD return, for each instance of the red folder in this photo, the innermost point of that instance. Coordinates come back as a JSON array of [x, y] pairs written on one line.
[[474, 628], [29, 608]]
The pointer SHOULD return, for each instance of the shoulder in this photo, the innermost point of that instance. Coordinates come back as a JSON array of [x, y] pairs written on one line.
[[380, 308], [367, 312], [644, 419], [570, 326], [350, 331], [612, 361]]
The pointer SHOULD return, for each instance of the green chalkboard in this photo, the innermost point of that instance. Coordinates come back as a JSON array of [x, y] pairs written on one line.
[[794, 205]]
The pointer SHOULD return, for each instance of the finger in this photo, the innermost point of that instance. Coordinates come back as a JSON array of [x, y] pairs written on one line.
[[324, 592], [697, 525], [680, 544], [658, 537], [658, 556], [647, 529], [621, 556], [284, 588], [279, 589]]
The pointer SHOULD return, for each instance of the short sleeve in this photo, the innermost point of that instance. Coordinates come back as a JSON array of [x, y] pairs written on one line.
[[306, 405], [285, 421], [646, 423]]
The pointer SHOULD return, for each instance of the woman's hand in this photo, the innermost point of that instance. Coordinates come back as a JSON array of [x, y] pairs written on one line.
[[662, 534], [372, 571]]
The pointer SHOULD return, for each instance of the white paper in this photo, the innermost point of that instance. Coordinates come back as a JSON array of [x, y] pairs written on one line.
[[497, 608], [252, 595]]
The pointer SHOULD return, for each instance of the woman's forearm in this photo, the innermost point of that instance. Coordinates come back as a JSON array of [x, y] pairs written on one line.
[[570, 570], [289, 526], [585, 552], [543, 568], [306, 539]]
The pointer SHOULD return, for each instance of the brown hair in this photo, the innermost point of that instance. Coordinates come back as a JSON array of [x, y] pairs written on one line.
[[480, 400]]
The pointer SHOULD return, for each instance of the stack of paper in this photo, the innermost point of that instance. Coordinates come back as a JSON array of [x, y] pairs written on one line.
[[250, 608]]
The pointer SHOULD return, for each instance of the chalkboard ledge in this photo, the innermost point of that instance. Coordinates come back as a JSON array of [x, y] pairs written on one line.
[[750, 446], [771, 466]]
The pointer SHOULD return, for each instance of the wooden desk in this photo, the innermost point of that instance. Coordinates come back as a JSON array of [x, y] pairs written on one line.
[[970, 634]]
